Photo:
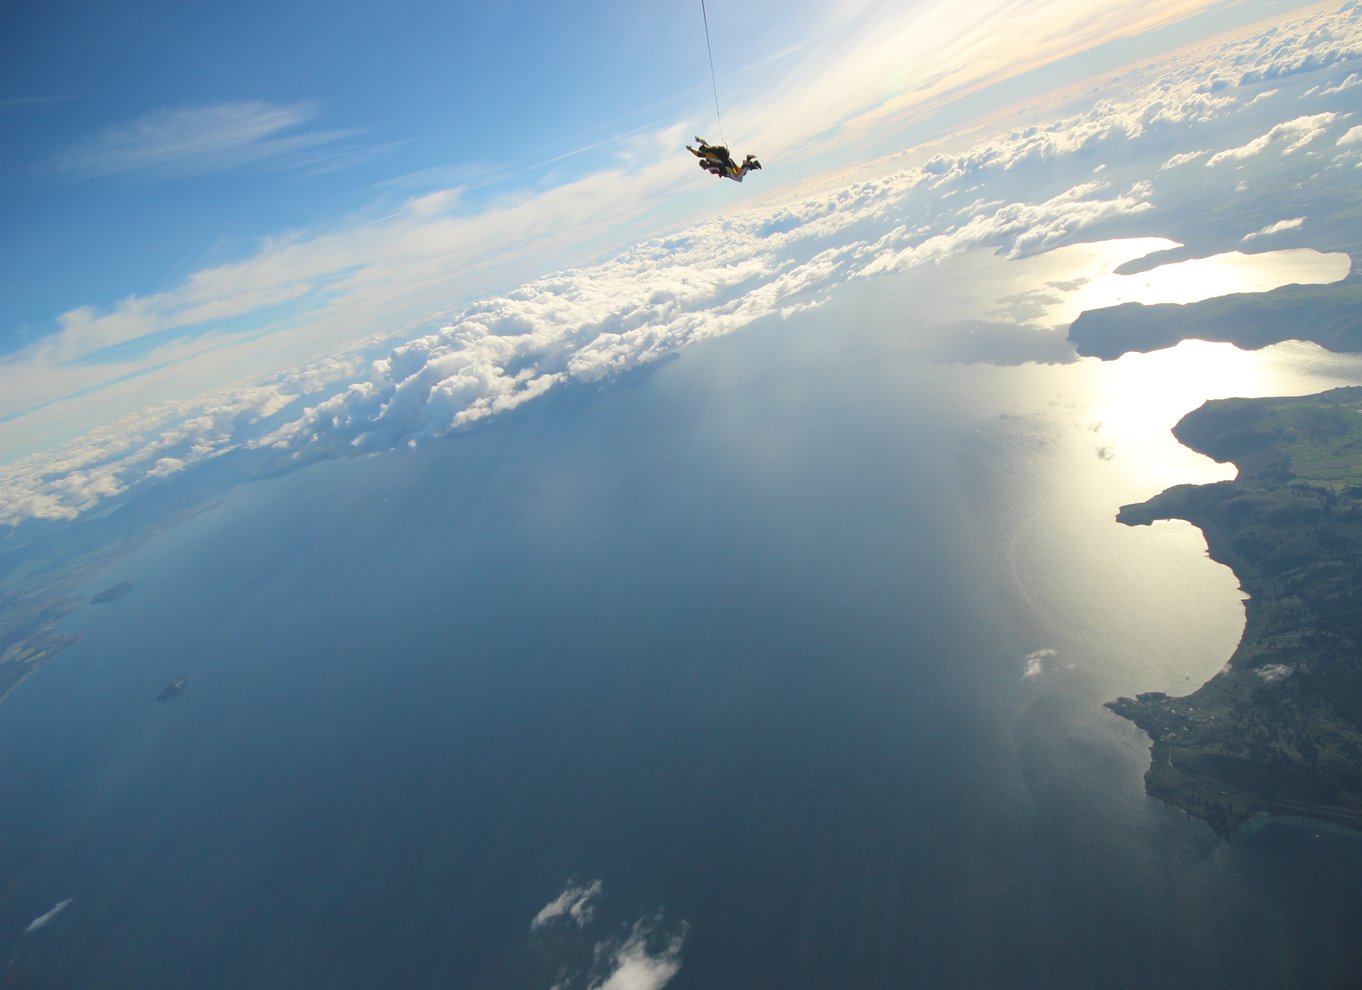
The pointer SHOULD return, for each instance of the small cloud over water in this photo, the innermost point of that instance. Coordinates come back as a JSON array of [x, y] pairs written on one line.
[[1295, 223], [642, 961], [644, 955], [575, 902], [1035, 663], [43, 920]]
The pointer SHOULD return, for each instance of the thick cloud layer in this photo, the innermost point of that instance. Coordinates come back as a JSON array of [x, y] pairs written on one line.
[[1271, 106]]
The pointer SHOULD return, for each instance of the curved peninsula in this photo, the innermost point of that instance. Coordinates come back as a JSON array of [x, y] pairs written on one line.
[[1279, 729], [1330, 315]]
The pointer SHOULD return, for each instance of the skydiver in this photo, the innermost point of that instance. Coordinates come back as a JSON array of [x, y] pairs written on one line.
[[713, 157], [716, 160], [707, 150]]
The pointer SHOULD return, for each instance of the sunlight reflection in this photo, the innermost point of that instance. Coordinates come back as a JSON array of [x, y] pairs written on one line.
[[1140, 397], [1050, 290], [1201, 278]]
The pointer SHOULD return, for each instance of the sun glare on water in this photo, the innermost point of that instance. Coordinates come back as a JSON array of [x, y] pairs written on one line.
[[1131, 404], [1192, 281]]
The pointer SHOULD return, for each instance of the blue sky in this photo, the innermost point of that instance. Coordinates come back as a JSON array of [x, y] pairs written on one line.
[[346, 96], [337, 108], [194, 196]]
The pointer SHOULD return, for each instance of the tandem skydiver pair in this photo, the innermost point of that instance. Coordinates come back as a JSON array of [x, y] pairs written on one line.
[[716, 160]]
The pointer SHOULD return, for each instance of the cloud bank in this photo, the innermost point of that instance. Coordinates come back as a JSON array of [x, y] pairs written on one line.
[[1016, 192], [877, 66]]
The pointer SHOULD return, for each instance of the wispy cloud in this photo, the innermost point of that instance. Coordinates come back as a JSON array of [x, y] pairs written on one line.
[[200, 140], [1295, 223], [1352, 80], [19, 102], [915, 59], [575, 903], [43, 920], [1182, 159]]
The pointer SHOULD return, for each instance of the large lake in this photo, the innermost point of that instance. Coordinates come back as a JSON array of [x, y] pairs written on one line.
[[797, 643]]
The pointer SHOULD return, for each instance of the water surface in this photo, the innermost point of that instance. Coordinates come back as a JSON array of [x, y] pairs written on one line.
[[797, 643]]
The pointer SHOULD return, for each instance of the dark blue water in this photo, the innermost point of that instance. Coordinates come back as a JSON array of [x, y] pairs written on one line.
[[742, 637]]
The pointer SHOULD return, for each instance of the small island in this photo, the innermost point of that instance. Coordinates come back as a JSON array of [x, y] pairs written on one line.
[[42, 580], [1279, 729], [112, 594], [171, 690]]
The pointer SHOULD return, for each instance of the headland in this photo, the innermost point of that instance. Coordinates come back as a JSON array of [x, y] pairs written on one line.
[[1279, 729]]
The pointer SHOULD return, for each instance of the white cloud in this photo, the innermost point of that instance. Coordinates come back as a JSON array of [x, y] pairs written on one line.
[[1352, 137], [43, 920], [575, 902], [1295, 223], [165, 467], [1182, 159], [349, 282], [361, 275], [1352, 80], [646, 958], [654, 299], [581, 324], [1292, 136], [633, 965], [1022, 228], [1034, 663], [197, 140], [1273, 673], [74, 477]]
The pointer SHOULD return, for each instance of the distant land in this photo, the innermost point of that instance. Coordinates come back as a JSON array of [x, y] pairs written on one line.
[[112, 594], [39, 583], [1279, 729], [171, 690], [1329, 315]]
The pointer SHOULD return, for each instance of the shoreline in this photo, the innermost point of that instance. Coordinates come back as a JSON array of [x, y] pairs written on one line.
[[1279, 728]]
